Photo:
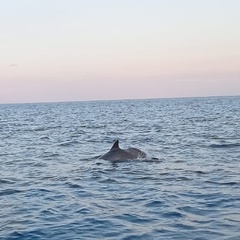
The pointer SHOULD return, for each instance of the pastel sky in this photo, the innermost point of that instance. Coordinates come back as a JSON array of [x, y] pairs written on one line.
[[73, 50]]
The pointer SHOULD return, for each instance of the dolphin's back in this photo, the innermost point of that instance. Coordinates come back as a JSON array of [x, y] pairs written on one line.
[[137, 153], [117, 154]]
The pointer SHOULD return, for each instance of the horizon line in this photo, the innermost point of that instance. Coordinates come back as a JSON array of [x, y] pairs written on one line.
[[120, 99]]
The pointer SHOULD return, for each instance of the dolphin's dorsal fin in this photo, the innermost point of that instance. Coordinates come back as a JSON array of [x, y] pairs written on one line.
[[115, 145]]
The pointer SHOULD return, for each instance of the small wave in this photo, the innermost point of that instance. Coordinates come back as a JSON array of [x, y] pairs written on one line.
[[47, 155], [44, 138], [109, 180], [3, 154], [42, 190], [172, 215], [200, 172], [136, 218], [68, 143], [179, 161], [194, 211], [83, 210], [183, 179], [4, 181], [40, 129], [225, 145], [9, 192], [155, 203], [73, 185], [45, 128], [40, 164], [222, 183]]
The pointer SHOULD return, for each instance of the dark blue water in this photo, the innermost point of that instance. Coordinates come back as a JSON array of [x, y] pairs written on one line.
[[52, 186]]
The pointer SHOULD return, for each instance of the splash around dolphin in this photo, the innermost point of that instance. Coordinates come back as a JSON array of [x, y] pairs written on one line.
[[116, 153]]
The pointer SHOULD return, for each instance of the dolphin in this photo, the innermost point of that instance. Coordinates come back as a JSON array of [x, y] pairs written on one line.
[[116, 153]]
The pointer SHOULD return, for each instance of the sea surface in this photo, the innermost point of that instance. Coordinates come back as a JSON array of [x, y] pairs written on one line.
[[53, 186]]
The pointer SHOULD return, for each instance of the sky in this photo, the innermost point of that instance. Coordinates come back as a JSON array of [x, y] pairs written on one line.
[[78, 50]]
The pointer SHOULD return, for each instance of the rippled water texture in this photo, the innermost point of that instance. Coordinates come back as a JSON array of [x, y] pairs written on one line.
[[52, 186]]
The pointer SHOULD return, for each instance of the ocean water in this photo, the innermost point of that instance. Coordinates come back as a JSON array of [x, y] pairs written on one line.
[[53, 186]]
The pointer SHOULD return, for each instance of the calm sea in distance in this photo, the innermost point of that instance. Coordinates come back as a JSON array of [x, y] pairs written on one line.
[[53, 186]]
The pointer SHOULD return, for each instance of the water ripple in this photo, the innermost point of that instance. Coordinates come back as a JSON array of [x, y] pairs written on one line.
[[53, 186]]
